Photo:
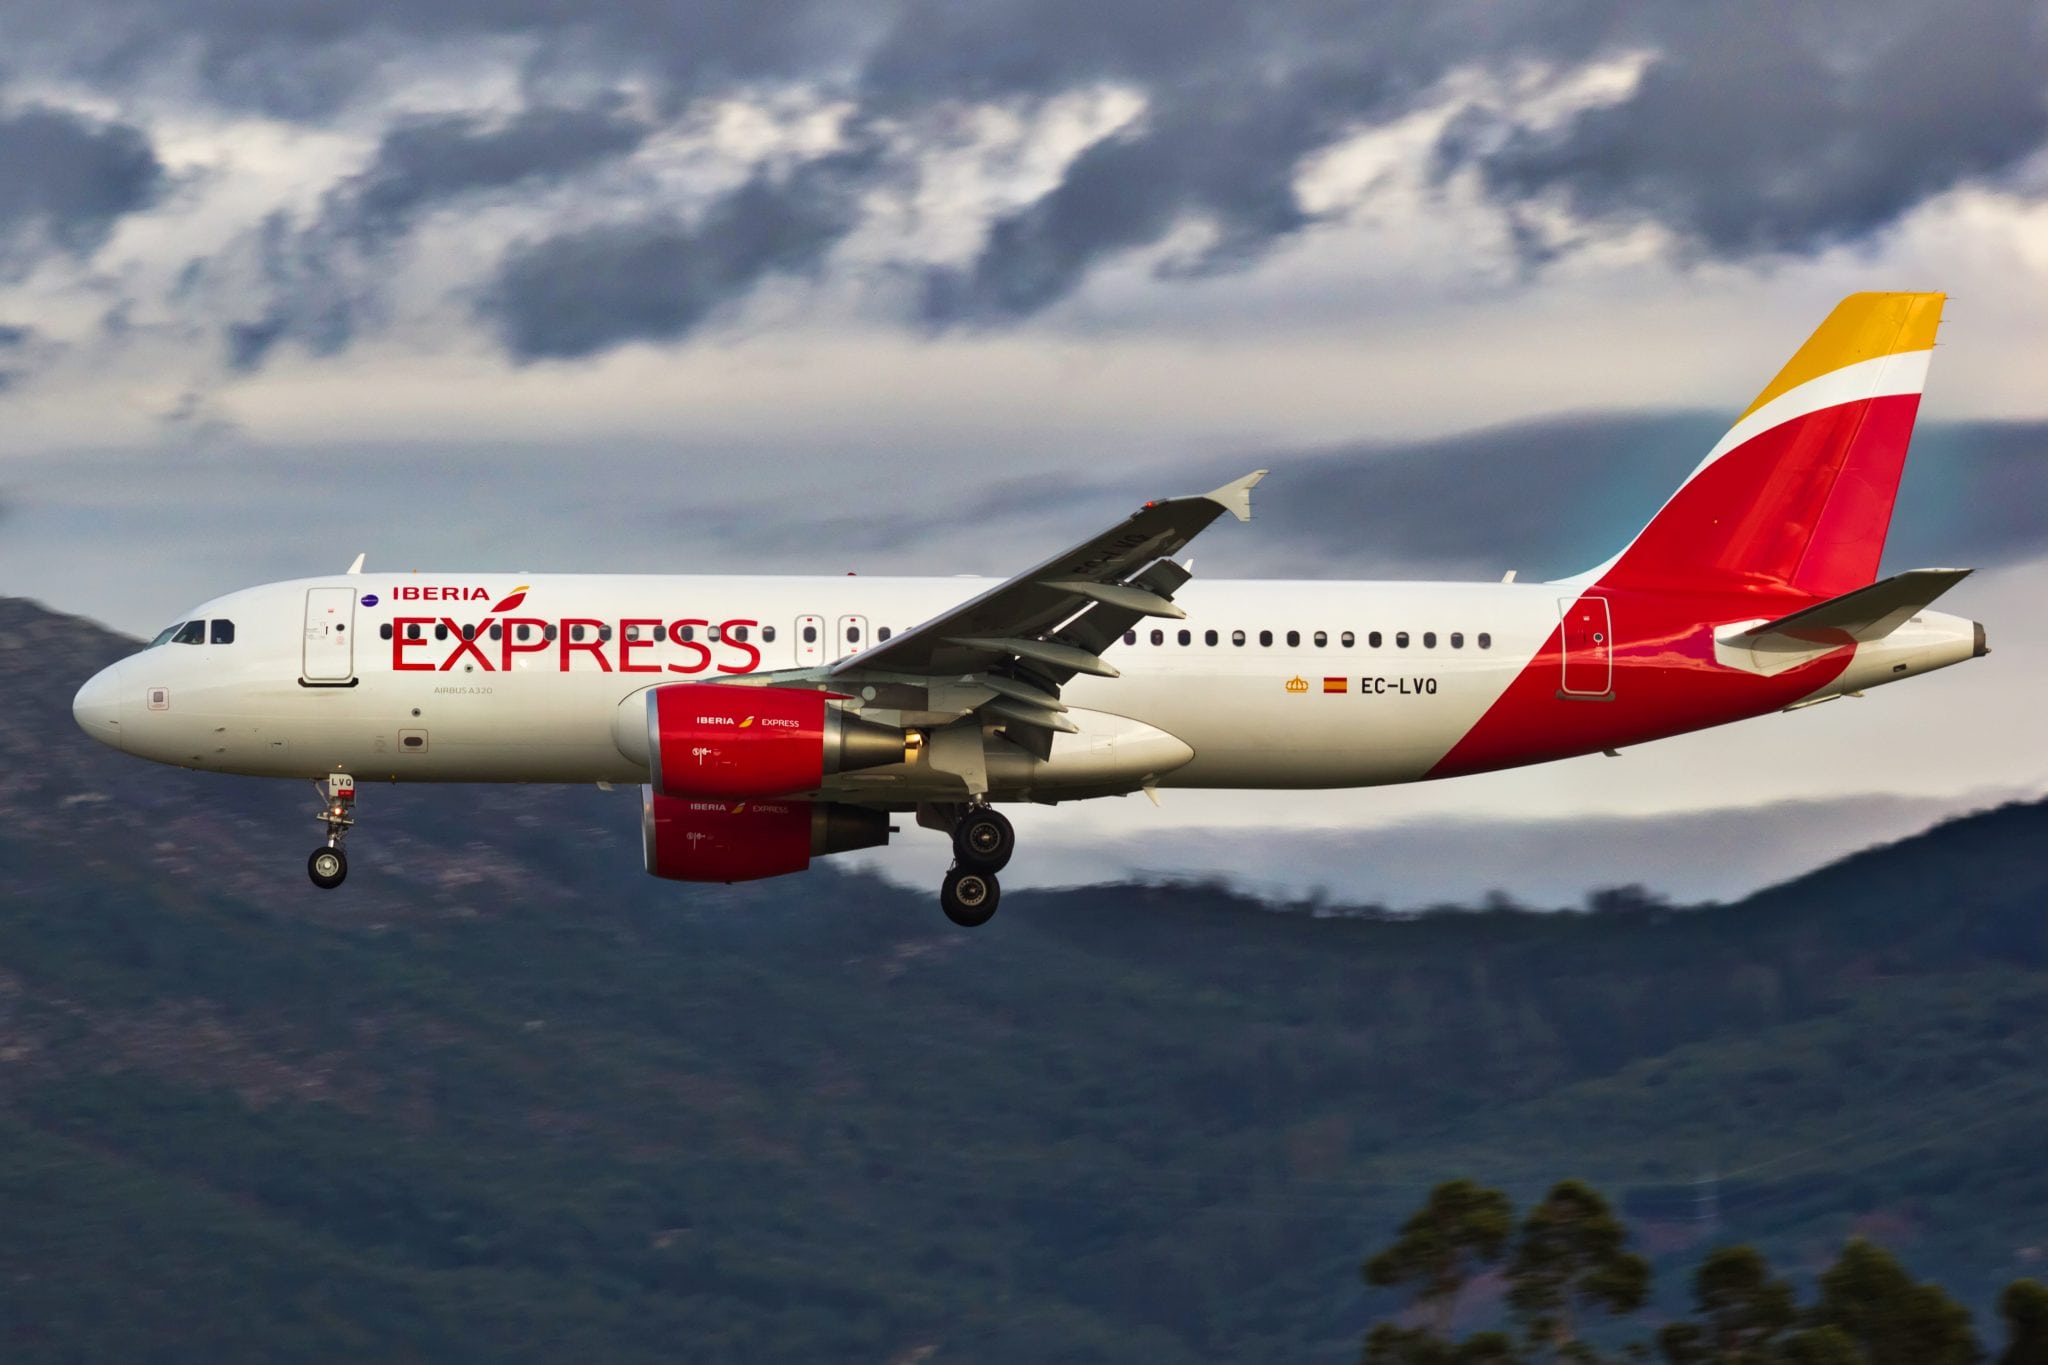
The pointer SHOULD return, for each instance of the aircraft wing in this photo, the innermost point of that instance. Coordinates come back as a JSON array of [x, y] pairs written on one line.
[[1054, 620]]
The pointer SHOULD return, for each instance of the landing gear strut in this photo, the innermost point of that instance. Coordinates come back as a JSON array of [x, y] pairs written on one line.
[[983, 841], [328, 865]]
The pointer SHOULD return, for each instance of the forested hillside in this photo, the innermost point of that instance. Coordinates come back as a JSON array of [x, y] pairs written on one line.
[[503, 1097]]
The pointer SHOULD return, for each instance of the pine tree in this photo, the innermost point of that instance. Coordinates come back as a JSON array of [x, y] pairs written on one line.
[[1744, 1312], [1869, 1298], [1572, 1255], [2024, 1306], [1461, 1229]]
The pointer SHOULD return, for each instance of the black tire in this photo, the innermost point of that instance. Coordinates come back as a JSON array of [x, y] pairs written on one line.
[[968, 897], [984, 840], [328, 867]]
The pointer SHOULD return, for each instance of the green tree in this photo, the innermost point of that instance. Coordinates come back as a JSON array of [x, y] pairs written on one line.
[[1743, 1312], [1462, 1228], [1868, 1297], [1820, 1346], [1387, 1344], [1572, 1255], [2024, 1306]]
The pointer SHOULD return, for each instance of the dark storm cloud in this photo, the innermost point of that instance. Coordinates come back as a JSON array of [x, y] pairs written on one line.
[[1759, 128], [658, 280], [424, 162], [321, 280], [1771, 128], [66, 180]]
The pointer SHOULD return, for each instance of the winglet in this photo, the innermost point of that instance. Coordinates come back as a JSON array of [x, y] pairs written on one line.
[[357, 567], [1236, 496]]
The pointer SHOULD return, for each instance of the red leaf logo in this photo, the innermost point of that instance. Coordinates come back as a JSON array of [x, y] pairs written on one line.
[[512, 602]]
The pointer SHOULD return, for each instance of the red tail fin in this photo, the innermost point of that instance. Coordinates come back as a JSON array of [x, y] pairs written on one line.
[[1799, 493]]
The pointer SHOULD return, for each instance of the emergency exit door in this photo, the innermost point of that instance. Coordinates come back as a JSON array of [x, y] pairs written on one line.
[[1588, 649], [851, 636], [329, 655]]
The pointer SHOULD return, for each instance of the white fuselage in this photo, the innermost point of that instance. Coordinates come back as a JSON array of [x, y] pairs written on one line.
[[1306, 684]]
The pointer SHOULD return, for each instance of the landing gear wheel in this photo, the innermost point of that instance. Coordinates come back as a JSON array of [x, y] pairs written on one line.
[[328, 867], [969, 897], [984, 840]]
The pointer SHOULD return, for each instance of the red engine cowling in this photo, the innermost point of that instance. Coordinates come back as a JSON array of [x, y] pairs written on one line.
[[738, 743], [689, 840]]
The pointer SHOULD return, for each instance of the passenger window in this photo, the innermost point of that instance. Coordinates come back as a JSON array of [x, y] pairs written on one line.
[[884, 633], [191, 633], [412, 632], [632, 632], [687, 634], [1485, 640], [852, 634], [1347, 639], [469, 632], [1429, 639], [497, 631], [525, 633], [1158, 637], [548, 633], [223, 632], [1266, 638], [810, 635], [604, 633], [1322, 639], [1400, 639], [1187, 637], [1457, 639], [659, 632], [768, 634], [1373, 639], [576, 633], [1208, 637], [1293, 639], [440, 632], [1130, 637], [1237, 637], [385, 630]]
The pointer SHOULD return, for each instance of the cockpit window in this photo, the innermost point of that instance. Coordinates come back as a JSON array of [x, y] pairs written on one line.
[[164, 635], [191, 633], [223, 632]]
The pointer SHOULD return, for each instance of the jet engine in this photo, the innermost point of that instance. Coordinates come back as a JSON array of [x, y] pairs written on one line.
[[739, 743], [741, 841]]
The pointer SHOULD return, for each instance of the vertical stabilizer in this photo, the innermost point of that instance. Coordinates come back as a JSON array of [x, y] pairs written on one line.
[[1799, 493]]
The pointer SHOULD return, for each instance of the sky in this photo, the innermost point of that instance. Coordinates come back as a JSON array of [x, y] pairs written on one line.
[[909, 286]]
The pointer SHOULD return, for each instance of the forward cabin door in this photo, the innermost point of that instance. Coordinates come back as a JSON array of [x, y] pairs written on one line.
[[852, 636], [1588, 649], [330, 635], [810, 641]]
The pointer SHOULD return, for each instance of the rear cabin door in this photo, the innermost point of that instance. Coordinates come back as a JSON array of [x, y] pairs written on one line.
[[330, 635], [852, 636], [810, 640], [1588, 649]]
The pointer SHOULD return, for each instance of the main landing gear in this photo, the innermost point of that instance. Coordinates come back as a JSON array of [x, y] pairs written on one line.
[[983, 841], [328, 865]]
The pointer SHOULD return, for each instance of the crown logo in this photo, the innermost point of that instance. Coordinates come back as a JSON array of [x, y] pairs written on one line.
[[1297, 683]]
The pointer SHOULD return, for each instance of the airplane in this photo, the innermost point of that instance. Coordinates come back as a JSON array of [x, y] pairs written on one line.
[[771, 720]]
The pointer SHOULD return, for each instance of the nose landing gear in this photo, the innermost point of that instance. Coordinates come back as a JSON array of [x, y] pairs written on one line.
[[328, 865], [983, 840]]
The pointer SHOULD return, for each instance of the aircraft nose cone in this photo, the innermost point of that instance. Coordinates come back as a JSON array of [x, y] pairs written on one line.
[[97, 707]]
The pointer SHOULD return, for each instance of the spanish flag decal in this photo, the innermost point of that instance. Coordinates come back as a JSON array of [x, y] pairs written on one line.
[[1335, 685]]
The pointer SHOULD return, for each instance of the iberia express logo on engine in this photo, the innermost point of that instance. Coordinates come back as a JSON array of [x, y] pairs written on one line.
[[503, 642]]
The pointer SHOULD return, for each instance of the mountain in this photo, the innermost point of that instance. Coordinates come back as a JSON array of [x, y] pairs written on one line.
[[503, 1097]]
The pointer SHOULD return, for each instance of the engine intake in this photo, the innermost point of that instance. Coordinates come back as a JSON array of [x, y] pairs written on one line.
[[736, 743], [741, 841]]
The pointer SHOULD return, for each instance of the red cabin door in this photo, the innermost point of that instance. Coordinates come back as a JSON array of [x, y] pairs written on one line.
[[1588, 648]]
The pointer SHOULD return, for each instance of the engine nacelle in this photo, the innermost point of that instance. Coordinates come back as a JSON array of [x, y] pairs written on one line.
[[738, 743], [689, 840]]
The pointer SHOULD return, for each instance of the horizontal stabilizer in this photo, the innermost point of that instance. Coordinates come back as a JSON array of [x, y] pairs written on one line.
[[1853, 618]]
